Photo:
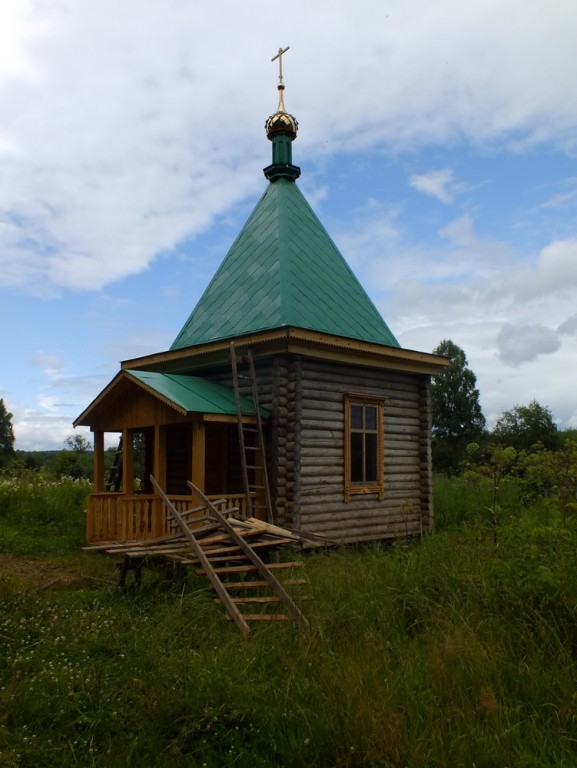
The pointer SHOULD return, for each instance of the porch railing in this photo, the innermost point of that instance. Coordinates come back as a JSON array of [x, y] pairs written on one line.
[[116, 517]]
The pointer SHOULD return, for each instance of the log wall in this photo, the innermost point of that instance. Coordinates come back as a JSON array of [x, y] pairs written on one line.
[[305, 436], [319, 503]]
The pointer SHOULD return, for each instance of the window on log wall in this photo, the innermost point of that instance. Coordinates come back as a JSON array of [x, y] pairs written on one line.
[[364, 471]]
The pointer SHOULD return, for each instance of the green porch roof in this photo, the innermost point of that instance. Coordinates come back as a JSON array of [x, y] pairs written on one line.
[[194, 394], [284, 270]]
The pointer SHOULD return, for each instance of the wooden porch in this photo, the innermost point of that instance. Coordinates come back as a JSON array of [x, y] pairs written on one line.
[[143, 516]]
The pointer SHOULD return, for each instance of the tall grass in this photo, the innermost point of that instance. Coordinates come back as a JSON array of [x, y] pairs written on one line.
[[41, 514], [445, 652]]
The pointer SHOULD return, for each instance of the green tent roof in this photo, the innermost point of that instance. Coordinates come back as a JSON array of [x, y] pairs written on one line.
[[284, 270], [194, 394]]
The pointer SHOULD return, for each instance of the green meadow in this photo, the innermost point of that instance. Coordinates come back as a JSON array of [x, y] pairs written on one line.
[[456, 650]]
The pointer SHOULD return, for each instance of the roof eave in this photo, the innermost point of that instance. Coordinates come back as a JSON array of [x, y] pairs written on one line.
[[411, 360], [123, 375]]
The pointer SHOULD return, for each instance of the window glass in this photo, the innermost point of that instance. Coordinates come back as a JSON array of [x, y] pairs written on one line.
[[356, 416], [370, 417], [370, 458], [356, 457]]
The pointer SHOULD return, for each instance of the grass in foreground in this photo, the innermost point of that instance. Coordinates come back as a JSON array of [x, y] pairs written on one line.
[[447, 652]]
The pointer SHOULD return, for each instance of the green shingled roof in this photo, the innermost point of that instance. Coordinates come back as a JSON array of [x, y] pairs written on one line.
[[194, 394], [284, 270]]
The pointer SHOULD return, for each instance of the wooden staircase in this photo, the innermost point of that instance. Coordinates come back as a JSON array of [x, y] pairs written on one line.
[[224, 549]]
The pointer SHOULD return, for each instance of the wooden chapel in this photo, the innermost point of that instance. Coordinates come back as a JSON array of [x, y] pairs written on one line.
[[285, 392]]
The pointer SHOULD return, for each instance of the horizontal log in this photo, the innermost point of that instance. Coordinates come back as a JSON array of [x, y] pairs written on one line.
[[356, 384], [362, 537], [326, 507], [400, 452], [311, 440], [313, 452], [322, 466], [371, 529], [317, 434], [323, 367], [322, 385], [401, 419], [326, 405], [403, 469], [322, 426], [370, 533], [391, 499], [363, 517], [338, 394]]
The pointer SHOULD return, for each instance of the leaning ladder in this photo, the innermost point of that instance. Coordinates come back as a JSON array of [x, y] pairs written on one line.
[[252, 454], [114, 480]]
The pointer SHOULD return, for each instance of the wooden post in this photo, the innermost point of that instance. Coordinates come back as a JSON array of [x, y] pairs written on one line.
[[127, 463], [159, 471], [98, 462], [198, 451], [159, 454]]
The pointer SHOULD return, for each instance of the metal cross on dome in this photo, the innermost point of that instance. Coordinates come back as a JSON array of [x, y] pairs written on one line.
[[279, 56]]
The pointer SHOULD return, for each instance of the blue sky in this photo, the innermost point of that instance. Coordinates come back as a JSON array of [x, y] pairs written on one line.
[[437, 142]]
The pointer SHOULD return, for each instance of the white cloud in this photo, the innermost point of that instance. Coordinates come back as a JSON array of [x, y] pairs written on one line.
[[438, 184], [558, 265], [521, 343], [119, 138], [473, 254], [569, 326], [16, 28], [52, 365], [561, 199]]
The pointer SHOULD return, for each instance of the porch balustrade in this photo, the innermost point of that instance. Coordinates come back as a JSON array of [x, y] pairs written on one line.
[[116, 517]]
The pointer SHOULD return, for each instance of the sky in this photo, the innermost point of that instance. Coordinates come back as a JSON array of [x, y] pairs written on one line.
[[437, 142]]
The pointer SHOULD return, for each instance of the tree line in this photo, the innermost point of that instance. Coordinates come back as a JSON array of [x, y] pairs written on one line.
[[458, 420]]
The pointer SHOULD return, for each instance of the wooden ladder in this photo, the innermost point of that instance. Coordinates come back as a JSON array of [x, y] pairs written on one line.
[[251, 441], [114, 480], [221, 556]]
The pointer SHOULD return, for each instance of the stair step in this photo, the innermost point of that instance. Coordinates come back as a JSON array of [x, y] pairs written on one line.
[[232, 550], [227, 558], [229, 585], [246, 568], [260, 617], [253, 600]]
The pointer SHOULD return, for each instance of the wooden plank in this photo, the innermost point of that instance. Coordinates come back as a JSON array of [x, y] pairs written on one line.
[[232, 551], [224, 537], [227, 558], [274, 529], [145, 551], [210, 571], [262, 600], [265, 617], [262, 584], [111, 545], [249, 568]]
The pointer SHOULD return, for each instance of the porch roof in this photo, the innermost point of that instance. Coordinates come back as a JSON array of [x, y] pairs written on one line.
[[194, 394], [186, 394]]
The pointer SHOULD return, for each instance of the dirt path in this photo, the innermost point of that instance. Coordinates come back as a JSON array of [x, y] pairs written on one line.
[[37, 573]]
